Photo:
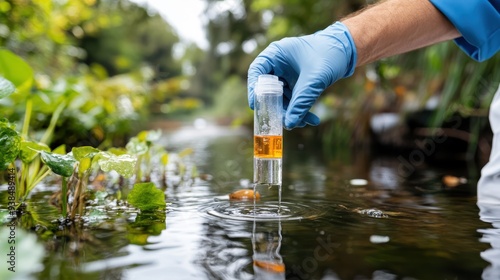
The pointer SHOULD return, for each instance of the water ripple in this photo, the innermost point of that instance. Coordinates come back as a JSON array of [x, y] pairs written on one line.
[[263, 211]]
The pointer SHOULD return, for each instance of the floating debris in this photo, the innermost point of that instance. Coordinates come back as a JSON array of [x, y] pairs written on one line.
[[453, 181], [244, 195], [358, 182], [374, 213], [377, 239]]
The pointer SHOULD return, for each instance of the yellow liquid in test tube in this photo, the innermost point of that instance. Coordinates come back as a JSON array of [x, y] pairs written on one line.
[[268, 146]]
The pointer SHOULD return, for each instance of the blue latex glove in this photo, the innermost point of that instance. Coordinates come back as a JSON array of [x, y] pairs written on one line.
[[307, 65]]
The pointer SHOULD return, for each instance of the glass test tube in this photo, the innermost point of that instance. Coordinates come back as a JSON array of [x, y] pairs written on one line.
[[268, 130]]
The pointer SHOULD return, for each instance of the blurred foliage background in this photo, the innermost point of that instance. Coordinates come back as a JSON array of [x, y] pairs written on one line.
[[116, 66]]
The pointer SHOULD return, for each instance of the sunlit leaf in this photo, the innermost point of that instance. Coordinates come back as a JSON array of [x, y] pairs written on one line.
[[61, 150], [84, 152], [16, 70], [146, 197], [164, 159], [84, 165], [30, 149], [10, 143], [142, 136], [117, 151], [6, 87], [123, 164], [136, 147], [60, 164]]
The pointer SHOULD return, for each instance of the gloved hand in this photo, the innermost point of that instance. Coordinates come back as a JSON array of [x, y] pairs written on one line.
[[307, 65]]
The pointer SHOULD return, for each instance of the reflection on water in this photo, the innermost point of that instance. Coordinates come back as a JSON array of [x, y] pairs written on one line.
[[491, 236], [425, 230], [266, 244]]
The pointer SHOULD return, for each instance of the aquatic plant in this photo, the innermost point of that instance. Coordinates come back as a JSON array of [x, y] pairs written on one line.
[[146, 197], [32, 160]]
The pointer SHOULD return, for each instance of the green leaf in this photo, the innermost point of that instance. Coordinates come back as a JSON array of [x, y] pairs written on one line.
[[5, 123], [136, 147], [84, 165], [117, 151], [16, 70], [164, 158], [146, 197], [61, 150], [84, 152], [10, 143], [6, 87], [30, 149], [60, 164], [123, 164]]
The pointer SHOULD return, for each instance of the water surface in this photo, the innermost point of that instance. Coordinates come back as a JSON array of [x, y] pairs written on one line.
[[397, 226]]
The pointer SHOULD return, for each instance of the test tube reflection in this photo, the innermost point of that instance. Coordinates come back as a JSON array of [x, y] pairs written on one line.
[[267, 261]]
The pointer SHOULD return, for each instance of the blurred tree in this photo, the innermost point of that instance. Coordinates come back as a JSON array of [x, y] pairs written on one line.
[[42, 31], [134, 37]]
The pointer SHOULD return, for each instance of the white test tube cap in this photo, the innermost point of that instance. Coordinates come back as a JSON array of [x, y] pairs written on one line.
[[268, 84]]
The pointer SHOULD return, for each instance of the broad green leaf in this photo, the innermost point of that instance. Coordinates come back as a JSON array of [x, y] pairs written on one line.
[[6, 87], [123, 164], [16, 70], [136, 147], [60, 164], [146, 197], [84, 165], [61, 150], [10, 143], [84, 152], [30, 149]]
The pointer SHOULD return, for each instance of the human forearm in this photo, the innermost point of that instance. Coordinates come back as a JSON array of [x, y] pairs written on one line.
[[397, 26]]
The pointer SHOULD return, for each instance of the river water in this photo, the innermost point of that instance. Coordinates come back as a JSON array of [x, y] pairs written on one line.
[[399, 222]]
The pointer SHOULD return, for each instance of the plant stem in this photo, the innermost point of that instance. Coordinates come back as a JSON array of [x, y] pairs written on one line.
[[22, 187], [34, 169], [53, 121], [27, 117], [64, 197], [81, 198], [76, 197], [39, 178], [138, 174]]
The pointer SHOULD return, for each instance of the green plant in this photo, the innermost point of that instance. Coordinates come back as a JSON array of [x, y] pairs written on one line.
[[146, 197]]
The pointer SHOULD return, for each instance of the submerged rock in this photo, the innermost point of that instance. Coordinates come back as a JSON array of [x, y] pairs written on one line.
[[244, 195]]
